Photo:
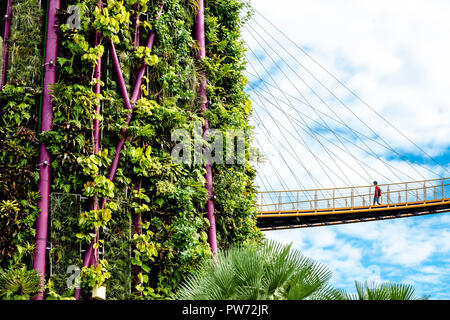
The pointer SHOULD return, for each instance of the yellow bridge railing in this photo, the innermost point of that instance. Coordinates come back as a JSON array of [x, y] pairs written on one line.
[[394, 194]]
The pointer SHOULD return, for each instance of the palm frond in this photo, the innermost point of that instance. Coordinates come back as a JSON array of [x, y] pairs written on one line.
[[270, 271], [273, 271], [19, 284], [383, 291]]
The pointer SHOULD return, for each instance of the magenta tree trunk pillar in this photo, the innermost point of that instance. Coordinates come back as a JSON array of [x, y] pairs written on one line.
[[5, 41], [200, 37], [51, 47]]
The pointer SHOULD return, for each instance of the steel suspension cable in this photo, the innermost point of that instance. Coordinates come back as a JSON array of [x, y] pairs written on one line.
[[331, 142], [355, 132], [306, 85], [304, 143], [285, 129], [336, 97], [348, 140], [308, 132], [352, 92], [316, 182], [260, 125]]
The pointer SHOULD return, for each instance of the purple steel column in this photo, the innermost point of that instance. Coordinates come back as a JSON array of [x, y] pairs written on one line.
[[51, 47], [200, 37], [5, 41]]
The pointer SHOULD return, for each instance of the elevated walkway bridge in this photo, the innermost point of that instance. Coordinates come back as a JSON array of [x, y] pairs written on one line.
[[321, 207]]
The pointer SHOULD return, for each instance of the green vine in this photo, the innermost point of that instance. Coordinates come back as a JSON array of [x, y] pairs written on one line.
[[153, 228]]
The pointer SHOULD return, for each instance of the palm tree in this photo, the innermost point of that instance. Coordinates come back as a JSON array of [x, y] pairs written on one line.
[[381, 291], [19, 284], [275, 272], [269, 272]]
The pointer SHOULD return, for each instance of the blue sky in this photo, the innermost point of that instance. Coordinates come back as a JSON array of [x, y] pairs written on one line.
[[410, 250], [394, 55]]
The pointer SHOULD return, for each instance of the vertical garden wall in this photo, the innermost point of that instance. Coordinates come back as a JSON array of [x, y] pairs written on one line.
[[143, 215]]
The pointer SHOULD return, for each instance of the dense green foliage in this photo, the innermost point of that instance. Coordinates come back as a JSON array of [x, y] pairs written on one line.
[[18, 141], [18, 284], [25, 53], [18, 175], [153, 228], [169, 197]]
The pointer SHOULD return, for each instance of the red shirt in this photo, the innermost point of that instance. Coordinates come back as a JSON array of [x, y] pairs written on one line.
[[377, 191]]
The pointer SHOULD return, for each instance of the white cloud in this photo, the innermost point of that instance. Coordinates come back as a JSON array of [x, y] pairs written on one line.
[[413, 251], [394, 55]]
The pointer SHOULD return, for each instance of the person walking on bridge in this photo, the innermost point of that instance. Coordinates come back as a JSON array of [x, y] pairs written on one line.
[[377, 195]]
